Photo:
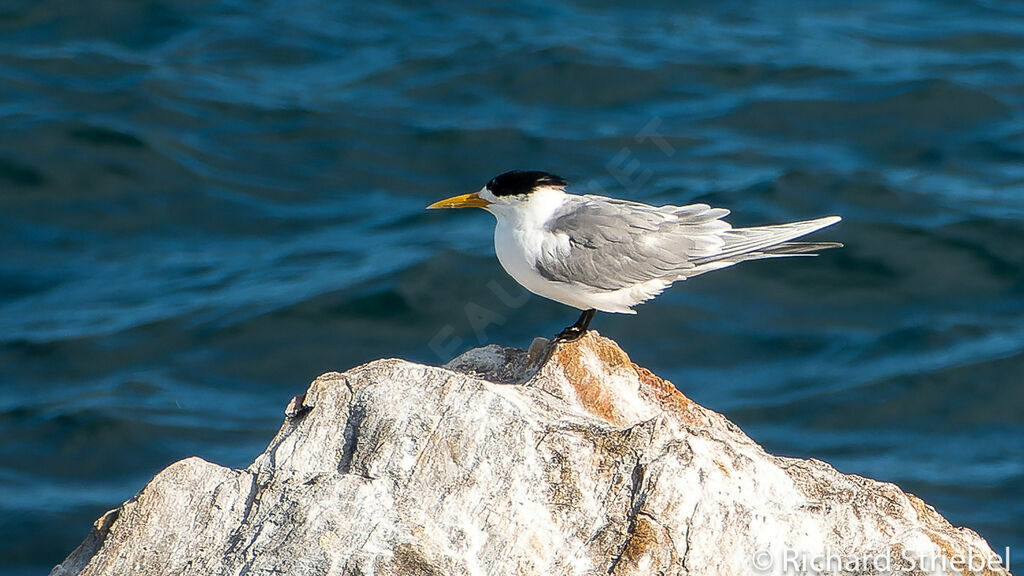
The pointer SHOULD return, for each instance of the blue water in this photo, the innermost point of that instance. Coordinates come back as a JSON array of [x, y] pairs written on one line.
[[203, 206]]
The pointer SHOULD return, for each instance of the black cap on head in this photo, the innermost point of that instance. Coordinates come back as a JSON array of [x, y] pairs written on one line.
[[522, 182]]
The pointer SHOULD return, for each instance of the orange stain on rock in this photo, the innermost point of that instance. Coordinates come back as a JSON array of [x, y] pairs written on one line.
[[643, 542], [593, 392]]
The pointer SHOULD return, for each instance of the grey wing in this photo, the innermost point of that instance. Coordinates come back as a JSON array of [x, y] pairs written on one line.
[[614, 244]]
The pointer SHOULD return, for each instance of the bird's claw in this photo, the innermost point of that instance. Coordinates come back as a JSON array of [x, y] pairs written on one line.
[[577, 330], [570, 334]]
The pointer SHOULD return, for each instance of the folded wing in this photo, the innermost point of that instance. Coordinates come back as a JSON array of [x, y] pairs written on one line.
[[606, 244]]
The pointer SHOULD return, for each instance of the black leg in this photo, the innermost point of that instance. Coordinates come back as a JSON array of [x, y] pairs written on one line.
[[578, 329]]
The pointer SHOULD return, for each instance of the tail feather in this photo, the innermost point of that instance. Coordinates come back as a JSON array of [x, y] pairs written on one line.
[[800, 248], [742, 244]]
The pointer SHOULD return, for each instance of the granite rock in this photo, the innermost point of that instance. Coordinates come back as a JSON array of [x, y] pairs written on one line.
[[563, 459]]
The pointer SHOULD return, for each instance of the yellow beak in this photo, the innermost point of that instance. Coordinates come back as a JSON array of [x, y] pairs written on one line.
[[464, 201]]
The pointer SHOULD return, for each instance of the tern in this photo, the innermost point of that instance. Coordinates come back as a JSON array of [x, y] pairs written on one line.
[[598, 253]]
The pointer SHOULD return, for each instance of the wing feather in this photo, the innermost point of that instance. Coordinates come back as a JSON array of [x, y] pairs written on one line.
[[613, 243], [608, 244]]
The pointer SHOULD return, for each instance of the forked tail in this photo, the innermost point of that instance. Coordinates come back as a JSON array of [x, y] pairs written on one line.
[[742, 244]]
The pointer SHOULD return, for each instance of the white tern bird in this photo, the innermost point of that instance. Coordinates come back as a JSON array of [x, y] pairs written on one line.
[[597, 253]]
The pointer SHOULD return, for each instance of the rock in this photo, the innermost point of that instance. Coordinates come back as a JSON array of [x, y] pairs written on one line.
[[565, 459]]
